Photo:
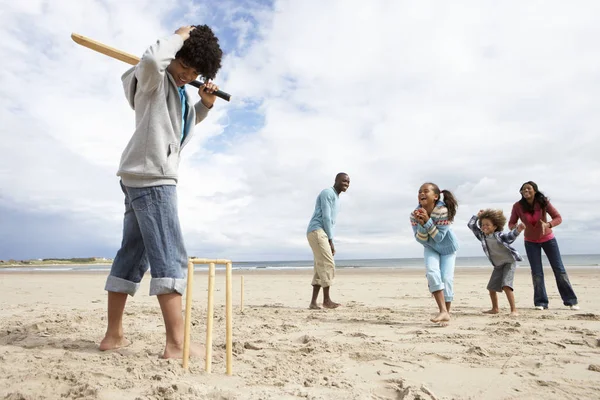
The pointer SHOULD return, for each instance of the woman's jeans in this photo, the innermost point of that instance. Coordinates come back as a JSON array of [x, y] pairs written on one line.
[[534, 254]]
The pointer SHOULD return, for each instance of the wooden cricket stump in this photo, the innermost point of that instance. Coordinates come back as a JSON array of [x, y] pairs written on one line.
[[242, 294], [209, 312]]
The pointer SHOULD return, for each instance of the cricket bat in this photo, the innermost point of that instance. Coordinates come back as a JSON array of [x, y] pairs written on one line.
[[128, 58]]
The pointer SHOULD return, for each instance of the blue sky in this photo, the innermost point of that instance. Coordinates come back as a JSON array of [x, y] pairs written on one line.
[[477, 96]]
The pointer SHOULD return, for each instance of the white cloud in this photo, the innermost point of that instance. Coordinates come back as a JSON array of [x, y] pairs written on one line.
[[475, 96]]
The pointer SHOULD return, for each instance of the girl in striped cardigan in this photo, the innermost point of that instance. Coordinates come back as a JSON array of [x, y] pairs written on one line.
[[431, 222]]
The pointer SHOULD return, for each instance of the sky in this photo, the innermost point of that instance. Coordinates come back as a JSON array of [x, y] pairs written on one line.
[[476, 96]]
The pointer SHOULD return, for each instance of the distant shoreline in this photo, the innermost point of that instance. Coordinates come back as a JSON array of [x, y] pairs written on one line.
[[97, 263], [52, 264]]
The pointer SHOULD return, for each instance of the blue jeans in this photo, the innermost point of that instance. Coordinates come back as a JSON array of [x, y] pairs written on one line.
[[440, 272], [151, 239], [534, 254]]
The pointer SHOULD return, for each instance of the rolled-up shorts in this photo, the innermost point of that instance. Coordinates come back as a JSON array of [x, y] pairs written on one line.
[[504, 275], [152, 239], [324, 266]]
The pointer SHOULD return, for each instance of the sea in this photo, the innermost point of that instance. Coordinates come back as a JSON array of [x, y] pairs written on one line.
[[570, 261]]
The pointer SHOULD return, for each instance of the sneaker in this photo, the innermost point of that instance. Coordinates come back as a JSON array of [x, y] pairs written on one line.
[[574, 307], [539, 307]]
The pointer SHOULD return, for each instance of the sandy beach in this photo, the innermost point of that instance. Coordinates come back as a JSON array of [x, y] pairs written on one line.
[[379, 345]]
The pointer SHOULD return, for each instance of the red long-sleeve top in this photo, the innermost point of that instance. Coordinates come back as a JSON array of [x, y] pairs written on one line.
[[533, 226]]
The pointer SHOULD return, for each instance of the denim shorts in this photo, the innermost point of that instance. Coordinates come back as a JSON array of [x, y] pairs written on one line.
[[152, 239], [502, 276]]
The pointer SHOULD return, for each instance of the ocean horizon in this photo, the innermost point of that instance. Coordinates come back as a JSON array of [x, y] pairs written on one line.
[[575, 260]]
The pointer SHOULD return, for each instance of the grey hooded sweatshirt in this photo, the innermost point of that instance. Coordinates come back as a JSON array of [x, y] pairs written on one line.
[[151, 157]]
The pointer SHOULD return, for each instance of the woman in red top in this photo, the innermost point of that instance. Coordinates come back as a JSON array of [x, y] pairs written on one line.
[[532, 210]]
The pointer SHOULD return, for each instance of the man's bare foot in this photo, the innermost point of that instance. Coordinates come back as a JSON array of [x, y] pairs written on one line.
[[314, 306], [173, 350], [330, 304], [112, 343], [514, 313], [442, 318], [492, 311]]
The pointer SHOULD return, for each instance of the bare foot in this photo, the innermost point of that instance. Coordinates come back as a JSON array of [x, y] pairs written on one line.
[[514, 313], [112, 343], [492, 311], [173, 350], [314, 306], [330, 304], [442, 318]]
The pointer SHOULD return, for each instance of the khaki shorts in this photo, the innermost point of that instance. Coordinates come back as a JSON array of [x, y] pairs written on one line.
[[324, 265]]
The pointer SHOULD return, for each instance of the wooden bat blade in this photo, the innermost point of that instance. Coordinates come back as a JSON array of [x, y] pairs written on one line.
[[104, 49]]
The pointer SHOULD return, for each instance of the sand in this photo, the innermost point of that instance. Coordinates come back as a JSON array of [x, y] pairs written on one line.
[[379, 345]]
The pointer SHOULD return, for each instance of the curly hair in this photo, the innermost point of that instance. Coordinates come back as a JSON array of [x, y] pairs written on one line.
[[202, 52], [495, 216]]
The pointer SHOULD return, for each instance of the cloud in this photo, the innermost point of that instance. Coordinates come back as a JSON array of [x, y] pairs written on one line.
[[475, 96]]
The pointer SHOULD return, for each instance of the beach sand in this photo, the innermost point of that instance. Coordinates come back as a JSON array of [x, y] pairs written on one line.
[[378, 345]]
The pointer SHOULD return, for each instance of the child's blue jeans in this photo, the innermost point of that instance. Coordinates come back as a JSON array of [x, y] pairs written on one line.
[[440, 272], [152, 239]]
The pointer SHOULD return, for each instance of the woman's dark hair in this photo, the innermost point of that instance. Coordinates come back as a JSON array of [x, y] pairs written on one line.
[[538, 198], [449, 199], [202, 52]]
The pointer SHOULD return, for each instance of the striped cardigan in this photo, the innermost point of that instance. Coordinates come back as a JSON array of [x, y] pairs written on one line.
[[436, 233], [505, 238]]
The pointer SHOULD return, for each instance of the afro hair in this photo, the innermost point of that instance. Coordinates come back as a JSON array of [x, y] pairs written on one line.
[[496, 217], [202, 52]]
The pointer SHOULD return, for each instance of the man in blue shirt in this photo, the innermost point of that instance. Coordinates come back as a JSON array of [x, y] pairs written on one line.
[[320, 237]]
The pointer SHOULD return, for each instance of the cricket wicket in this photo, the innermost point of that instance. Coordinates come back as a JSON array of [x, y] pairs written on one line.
[[209, 312]]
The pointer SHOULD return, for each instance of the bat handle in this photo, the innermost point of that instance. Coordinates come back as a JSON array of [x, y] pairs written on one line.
[[218, 93]]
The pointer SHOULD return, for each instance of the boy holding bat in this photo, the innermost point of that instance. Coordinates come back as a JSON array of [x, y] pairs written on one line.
[[148, 169]]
